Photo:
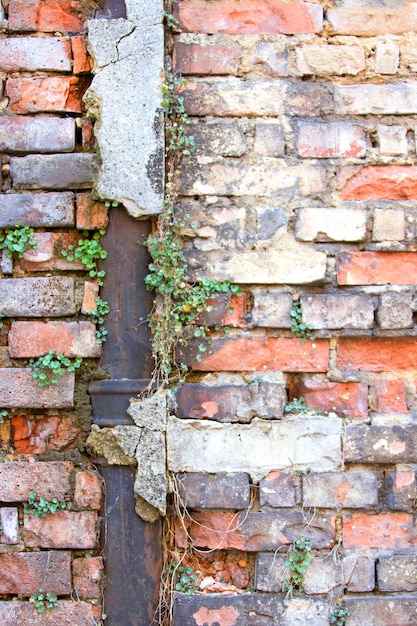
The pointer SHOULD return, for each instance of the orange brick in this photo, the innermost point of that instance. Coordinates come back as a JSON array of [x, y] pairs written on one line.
[[390, 396], [345, 399], [54, 94], [87, 491], [377, 268], [386, 530], [245, 17], [32, 339], [45, 15], [191, 58], [382, 182], [88, 574], [33, 435], [253, 354], [90, 215], [377, 354], [48, 253], [82, 63], [89, 300]]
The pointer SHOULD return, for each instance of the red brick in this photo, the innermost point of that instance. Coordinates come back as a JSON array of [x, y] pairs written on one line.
[[377, 354], [23, 574], [192, 58], [352, 18], [33, 54], [382, 182], [37, 297], [89, 304], [91, 215], [273, 353], [277, 490], [336, 139], [386, 530], [265, 17], [66, 613], [33, 339], [49, 479], [33, 435], [87, 492], [48, 253], [82, 63], [87, 133], [45, 15], [390, 396], [47, 209], [254, 532], [54, 94], [37, 134], [65, 529], [87, 576], [345, 399], [18, 388], [377, 268]]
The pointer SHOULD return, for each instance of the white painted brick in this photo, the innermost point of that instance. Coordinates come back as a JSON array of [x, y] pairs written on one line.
[[322, 224], [392, 140], [387, 58]]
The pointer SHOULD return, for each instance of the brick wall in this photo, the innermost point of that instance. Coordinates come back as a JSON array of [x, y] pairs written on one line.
[[47, 172], [302, 187]]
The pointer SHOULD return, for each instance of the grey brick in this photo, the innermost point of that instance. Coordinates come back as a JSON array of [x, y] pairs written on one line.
[[54, 171]]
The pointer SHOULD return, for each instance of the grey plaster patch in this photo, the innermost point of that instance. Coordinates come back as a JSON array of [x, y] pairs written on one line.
[[125, 98], [149, 412], [117, 445]]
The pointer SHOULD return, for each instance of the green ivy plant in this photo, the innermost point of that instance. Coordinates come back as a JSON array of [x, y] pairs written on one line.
[[4, 414], [298, 327], [88, 251], [47, 369], [297, 563], [43, 601], [38, 506], [97, 317], [180, 301], [339, 614], [17, 240], [184, 578], [298, 406]]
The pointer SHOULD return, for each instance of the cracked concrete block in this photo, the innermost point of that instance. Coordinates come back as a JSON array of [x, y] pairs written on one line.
[[117, 445], [149, 412], [151, 481], [128, 56]]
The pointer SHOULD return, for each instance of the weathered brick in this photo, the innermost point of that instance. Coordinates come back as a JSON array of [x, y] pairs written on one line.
[[65, 529], [91, 215], [37, 134], [89, 298], [87, 490], [219, 138], [377, 354], [377, 268], [334, 139], [54, 94], [33, 435], [337, 311], [272, 61], [214, 491], [37, 210], [350, 490], [66, 613], [192, 58], [390, 396], [395, 99], [345, 399], [49, 479], [18, 388], [268, 398], [44, 15], [254, 532], [82, 63], [233, 96], [24, 573], [395, 310], [257, 353], [401, 487], [5, 435], [243, 18], [88, 576], [387, 57], [368, 19], [397, 573], [330, 60], [54, 171], [322, 224], [381, 444], [385, 530], [31, 54], [383, 611], [307, 99], [32, 339], [9, 525], [322, 576], [37, 297], [269, 139], [271, 308], [230, 403], [277, 490], [389, 225], [392, 140], [48, 253]]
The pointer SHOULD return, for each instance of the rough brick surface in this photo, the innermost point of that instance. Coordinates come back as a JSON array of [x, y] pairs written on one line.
[[337, 139], [381, 444], [395, 310], [377, 354], [390, 396], [271, 308], [320, 224], [49, 479], [228, 403], [35, 54], [397, 573], [277, 490], [23, 574], [44, 15], [33, 435], [37, 210], [37, 297], [269, 139], [190, 58], [90, 215], [350, 490], [368, 19], [377, 268], [32, 339], [18, 388], [9, 525], [88, 576], [243, 18], [401, 487], [382, 182], [82, 63], [385, 530], [214, 491], [48, 253], [345, 399], [57, 171], [67, 613], [55, 94], [65, 529], [36, 134], [87, 490], [330, 60], [338, 311]]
